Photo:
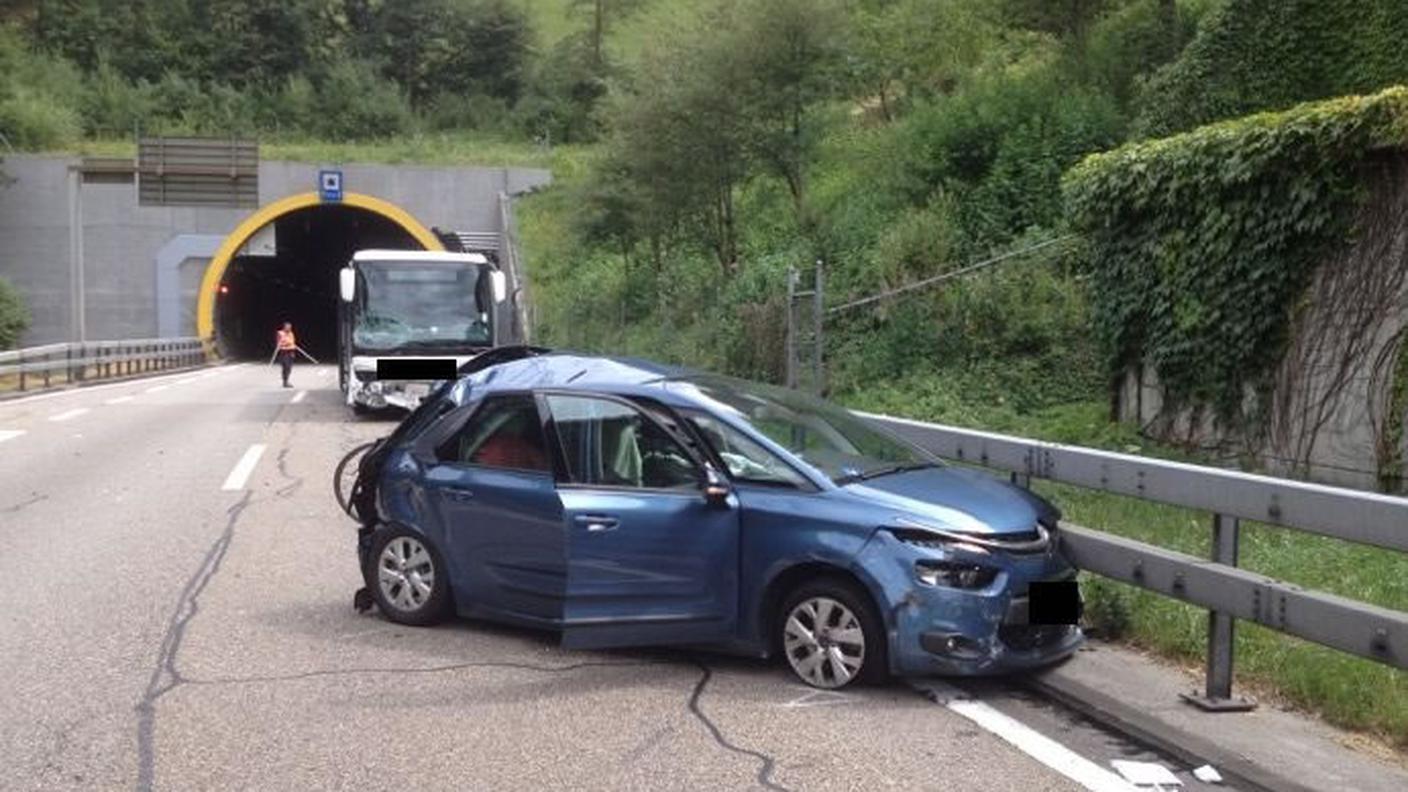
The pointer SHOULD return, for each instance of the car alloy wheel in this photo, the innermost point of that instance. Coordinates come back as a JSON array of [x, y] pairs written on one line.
[[406, 574], [824, 642]]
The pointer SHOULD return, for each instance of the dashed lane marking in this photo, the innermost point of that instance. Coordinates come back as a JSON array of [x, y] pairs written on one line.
[[1028, 740], [157, 389], [10, 434], [120, 400], [237, 478], [298, 397], [69, 415]]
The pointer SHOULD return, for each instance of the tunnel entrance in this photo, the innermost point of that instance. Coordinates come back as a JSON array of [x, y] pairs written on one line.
[[287, 271]]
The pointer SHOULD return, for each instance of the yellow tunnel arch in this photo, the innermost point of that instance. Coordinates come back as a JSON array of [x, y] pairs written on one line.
[[215, 271]]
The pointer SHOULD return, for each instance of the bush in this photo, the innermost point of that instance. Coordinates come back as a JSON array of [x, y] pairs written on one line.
[[14, 316], [39, 96], [353, 102]]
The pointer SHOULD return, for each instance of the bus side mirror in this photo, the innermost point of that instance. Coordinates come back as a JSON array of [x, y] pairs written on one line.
[[347, 283], [500, 283]]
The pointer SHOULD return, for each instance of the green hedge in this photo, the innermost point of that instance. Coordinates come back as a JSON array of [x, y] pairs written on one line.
[[1202, 244]]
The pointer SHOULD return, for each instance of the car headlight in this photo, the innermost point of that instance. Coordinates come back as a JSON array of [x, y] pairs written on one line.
[[954, 574]]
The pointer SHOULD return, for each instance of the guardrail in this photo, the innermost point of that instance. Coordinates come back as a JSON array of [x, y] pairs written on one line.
[[1230, 496], [23, 369]]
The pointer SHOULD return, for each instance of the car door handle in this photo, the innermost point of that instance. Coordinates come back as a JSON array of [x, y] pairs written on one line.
[[459, 493], [596, 523]]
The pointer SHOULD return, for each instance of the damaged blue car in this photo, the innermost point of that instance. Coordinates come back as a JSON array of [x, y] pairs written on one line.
[[624, 503]]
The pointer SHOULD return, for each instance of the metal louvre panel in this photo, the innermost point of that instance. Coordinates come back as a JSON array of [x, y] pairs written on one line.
[[198, 172]]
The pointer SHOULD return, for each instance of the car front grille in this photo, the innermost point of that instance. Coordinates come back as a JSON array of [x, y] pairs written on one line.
[[1036, 540]]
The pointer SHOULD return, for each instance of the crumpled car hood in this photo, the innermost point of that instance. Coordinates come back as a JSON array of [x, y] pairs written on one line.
[[954, 499]]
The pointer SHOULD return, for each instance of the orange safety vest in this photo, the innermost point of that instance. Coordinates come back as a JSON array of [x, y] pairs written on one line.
[[286, 341]]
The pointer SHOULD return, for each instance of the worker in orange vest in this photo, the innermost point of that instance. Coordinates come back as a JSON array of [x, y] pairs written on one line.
[[287, 350]]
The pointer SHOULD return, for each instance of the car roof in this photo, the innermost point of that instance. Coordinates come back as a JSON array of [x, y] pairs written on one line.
[[571, 371]]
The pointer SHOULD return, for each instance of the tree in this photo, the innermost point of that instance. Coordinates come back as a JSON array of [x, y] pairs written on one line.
[[788, 57], [434, 47], [603, 14]]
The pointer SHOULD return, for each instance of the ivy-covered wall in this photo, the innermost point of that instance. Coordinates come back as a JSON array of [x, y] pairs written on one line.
[[1246, 266], [1254, 55]]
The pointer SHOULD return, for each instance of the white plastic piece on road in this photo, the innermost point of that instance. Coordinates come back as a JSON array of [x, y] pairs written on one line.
[[1030, 742], [238, 476], [1207, 774], [10, 434], [1146, 775], [298, 397], [69, 415]]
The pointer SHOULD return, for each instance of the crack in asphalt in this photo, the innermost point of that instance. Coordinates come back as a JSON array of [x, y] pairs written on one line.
[[287, 490], [22, 504], [768, 762], [765, 771], [165, 676], [329, 672]]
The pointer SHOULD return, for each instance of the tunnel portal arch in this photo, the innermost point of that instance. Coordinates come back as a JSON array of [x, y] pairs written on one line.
[[245, 231]]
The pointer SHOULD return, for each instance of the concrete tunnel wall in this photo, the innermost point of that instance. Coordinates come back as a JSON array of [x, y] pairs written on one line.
[[122, 241]]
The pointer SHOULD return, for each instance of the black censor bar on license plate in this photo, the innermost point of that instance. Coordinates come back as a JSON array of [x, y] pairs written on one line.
[[1053, 602], [415, 369]]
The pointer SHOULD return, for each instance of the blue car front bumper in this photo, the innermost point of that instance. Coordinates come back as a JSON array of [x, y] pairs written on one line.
[[967, 632]]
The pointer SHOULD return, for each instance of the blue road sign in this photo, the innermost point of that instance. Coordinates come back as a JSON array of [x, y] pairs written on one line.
[[330, 186]]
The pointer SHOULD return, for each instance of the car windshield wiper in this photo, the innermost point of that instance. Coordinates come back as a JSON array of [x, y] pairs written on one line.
[[884, 471]]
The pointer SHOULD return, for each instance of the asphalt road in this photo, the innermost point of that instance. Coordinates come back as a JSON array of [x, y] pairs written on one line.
[[160, 631]]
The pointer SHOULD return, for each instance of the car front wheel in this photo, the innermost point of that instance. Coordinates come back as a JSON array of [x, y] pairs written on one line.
[[831, 635], [408, 579]]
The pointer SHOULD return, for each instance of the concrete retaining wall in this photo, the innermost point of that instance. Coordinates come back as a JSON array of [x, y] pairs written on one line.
[[120, 241]]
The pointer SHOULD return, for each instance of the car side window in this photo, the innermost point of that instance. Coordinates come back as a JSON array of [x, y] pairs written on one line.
[[505, 433], [745, 459], [611, 444]]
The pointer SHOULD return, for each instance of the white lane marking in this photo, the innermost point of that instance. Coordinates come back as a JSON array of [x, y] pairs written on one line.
[[1029, 741], [120, 400], [298, 397], [157, 389], [820, 698], [243, 468], [10, 434], [69, 414], [186, 381]]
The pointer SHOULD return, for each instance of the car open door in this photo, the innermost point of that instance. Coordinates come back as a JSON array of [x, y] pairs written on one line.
[[492, 487], [651, 559]]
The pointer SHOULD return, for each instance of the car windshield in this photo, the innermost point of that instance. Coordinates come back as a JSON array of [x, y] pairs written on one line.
[[841, 445], [414, 304]]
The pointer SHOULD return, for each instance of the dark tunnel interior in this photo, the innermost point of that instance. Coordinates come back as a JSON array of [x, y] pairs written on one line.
[[299, 283]]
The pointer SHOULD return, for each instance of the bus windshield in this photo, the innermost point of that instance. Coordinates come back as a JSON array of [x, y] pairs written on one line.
[[421, 305]]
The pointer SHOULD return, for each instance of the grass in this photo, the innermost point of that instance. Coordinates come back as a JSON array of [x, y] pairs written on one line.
[[1345, 690], [465, 150]]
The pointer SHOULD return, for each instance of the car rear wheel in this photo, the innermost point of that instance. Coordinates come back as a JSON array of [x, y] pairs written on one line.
[[408, 578], [831, 636]]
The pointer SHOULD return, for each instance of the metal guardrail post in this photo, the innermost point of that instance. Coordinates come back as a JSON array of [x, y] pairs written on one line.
[[1217, 695], [20, 360], [791, 341]]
